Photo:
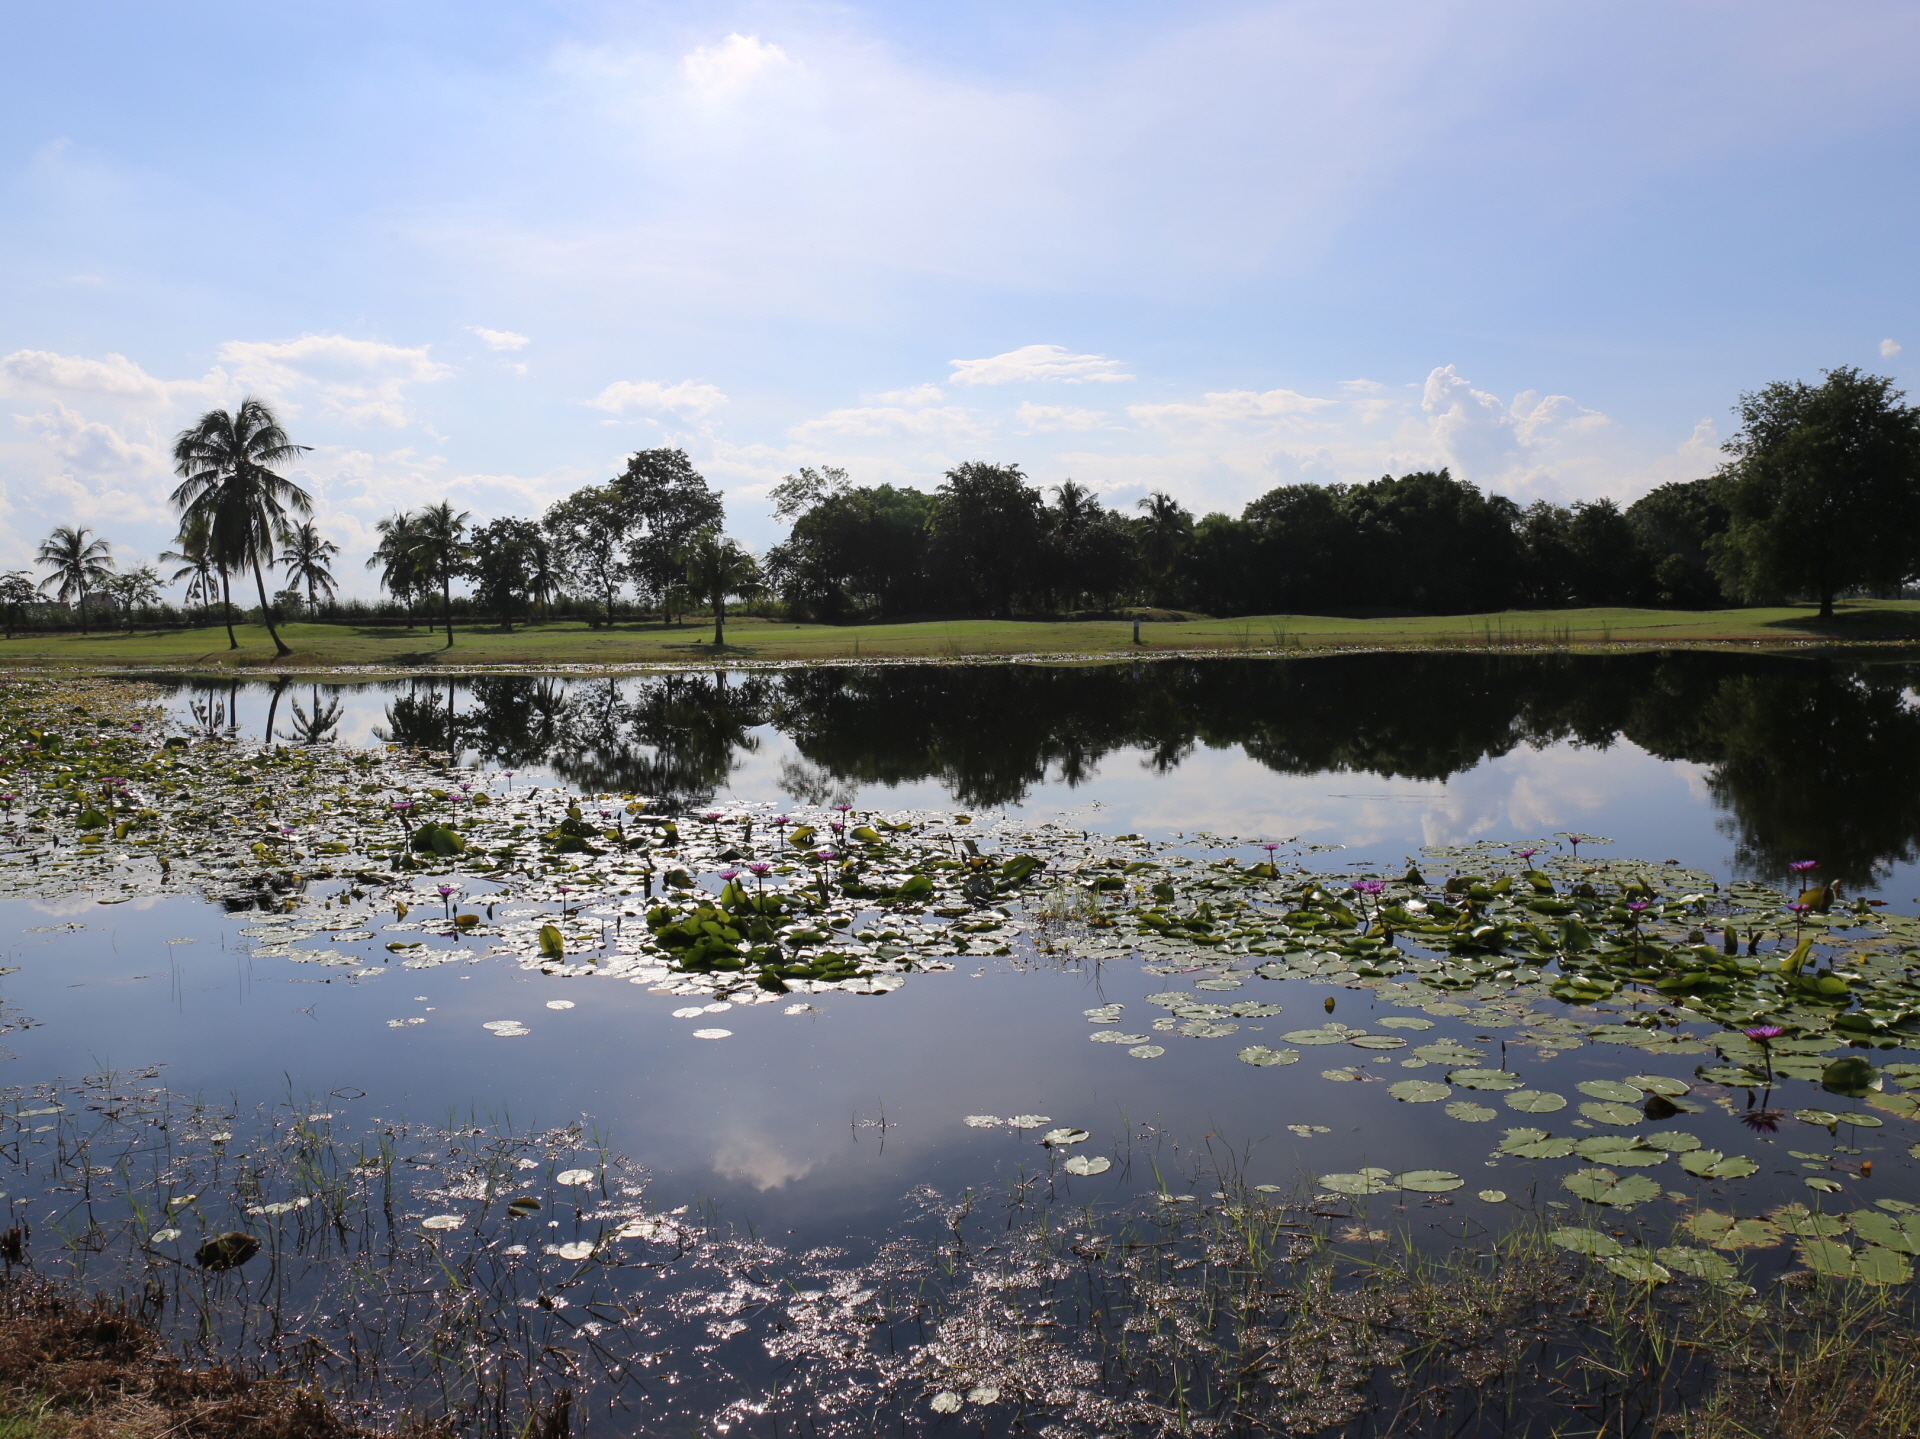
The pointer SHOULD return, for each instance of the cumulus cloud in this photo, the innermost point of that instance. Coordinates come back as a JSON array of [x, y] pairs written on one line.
[[688, 399], [1230, 405], [1889, 348], [1491, 442], [362, 381], [116, 376], [733, 64], [1032, 363], [948, 422], [916, 395], [500, 339]]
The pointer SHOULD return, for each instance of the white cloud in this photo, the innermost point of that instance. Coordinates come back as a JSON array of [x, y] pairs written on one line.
[[1889, 348], [917, 395], [1061, 417], [732, 65], [115, 376], [949, 422], [1496, 444], [1030, 363], [500, 339], [688, 399], [1231, 405], [362, 381]]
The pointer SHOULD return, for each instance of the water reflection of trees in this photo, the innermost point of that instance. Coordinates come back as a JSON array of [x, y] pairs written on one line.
[[1806, 757]]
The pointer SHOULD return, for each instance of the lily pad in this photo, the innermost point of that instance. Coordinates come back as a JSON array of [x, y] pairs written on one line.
[[1723, 1231], [1603, 1186], [1495, 1079], [1467, 1110], [1639, 1266], [1148, 1051], [1585, 1241], [1055, 1138], [1699, 1263], [1088, 1164], [1428, 1181], [1900, 1233], [1661, 1084], [1367, 1181], [1316, 1036], [1535, 1101], [1604, 1113], [1608, 1089], [1259, 1054], [1404, 1021], [574, 1177], [1418, 1091], [1376, 1041], [1805, 1223], [1712, 1164]]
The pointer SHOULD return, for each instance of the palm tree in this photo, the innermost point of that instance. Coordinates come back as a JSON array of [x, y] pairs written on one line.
[[443, 538], [718, 567], [304, 555], [78, 565], [228, 466], [197, 567], [399, 557], [1168, 526]]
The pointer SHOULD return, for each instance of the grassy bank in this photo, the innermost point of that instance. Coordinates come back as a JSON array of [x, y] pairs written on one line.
[[750, 640]]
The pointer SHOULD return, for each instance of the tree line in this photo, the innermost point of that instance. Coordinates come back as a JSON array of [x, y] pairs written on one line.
[[1819, 497]]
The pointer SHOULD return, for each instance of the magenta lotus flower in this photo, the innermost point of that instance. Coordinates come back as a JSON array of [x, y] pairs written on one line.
[[1761, 1033], [781, 820], [760, 868], [1801, 866], [1636, 905], [1528, 853], [711, 815], [729, 875], [445, 890], [403, 805], [1798, 908], [823, 855], [843, 808], [1368, 886], [1763, 1121]]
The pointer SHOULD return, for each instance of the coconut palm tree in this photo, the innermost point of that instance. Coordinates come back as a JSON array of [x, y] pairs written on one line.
[[718, 567], [304, 554], [444, 552], [78, 564], [228, 466], [198, 567], [400, 558]]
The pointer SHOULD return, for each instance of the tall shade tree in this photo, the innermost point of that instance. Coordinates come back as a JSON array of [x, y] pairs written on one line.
[[229, 466], [984, 534], [400, 557], [17, 591], [79, 565], [586, 530], [196, 564], [1823, 490], [508, 559], [304, 553], [664, 503], [716, 568], [132, 590], [443, 552]]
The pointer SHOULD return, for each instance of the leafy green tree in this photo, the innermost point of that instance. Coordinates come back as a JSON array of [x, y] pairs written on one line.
[[304, 553], [79, 565], [985, 535], [1822, 491], [717, 567], [850, 549], [665, 502], [1432, 544], [229, 465], [508, 559], [1677, 526], [401, 558], [1303, 551], [587, 530], [133, 589], [443, 552], [17, 591]]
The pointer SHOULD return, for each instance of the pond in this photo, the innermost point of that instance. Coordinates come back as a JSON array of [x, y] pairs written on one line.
[[1235, 885]]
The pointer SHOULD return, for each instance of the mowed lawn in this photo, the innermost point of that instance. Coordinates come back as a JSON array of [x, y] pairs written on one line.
[[573, 642]]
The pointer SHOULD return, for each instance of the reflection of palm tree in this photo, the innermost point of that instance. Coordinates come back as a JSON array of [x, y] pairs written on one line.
[[424, 719], [228, 466], [316, 726], [273, 705], [217, 716]]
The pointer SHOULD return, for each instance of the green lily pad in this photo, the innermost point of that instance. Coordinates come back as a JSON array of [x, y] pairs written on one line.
[[1404, 1021], [1535, 1101], [1259, 1054], [1428, 1181], [1608, 1089], [1874, 1265], [1624, 1150], [1723, 1231], [1367, 1181], [1494, 1079], [1831, 1257], [1445, 1051], [1900, 1233], [1712, 1164], [1699, 1263], [1639, 1266], [1660, 1084], [1805, 1223], [1466, 1109], [1376, 1041], [1674, 1141], [1825, 1186], [1147, 1051], [1585, 1241], [1315, 1036], [1603, 1186], [1418, 1091], [1602, 1113]]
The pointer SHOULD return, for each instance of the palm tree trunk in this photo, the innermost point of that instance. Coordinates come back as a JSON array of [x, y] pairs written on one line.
[[446, 605], [273, 710], [83, 609], [719, 619], [266, 613], [226, 597]]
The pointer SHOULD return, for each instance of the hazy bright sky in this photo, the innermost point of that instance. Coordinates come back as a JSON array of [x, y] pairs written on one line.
[[484, 250]]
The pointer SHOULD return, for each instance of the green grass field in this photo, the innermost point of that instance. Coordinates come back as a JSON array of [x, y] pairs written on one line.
[[319, 646]]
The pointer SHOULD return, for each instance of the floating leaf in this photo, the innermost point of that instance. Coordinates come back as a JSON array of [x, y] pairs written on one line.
[[1639, 1266], [1494, 1196], [1315, 1036], [1376, 1041], [1056, 1137], [1898, 1233], [1602, 1113], [713, 1034], [1404, 1021], [1874, 1265], [1625, 1150], [1367, 1181], [1608, 1089], [1712, 1164], [1585, 1241], [982, 1121], [1030, 1121], [1825, 1186], [1418, 1091], [1428, 1181], [946, 1402], [1535, 1101], [1830, 1257], [1088, 1164], [1798, 1220], [1674, 1141], [1495, 1079], [1699, 1263], [576, 1249], [442, 1221], [1154, 1051], [1472, 1113], [1723, 1231], [573, 1177], [1660, 1084], [1603, 1186], [1259, 1054]]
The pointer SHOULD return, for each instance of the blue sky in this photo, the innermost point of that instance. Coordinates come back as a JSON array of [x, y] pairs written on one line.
[[485, 250]]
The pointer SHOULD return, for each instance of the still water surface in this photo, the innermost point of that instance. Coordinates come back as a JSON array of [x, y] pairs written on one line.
[[818, 1124]]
